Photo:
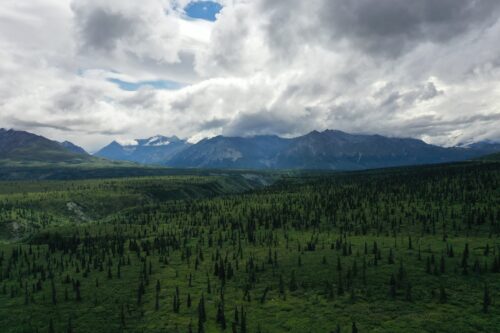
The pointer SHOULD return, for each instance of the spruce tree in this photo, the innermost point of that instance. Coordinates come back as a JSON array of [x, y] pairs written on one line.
[[293, 282], [202, 315], [281, 285], [51, 326], [69, 329], [243, 325], [53, 292], [122, 317], [220, 317], [443, 297], [392, 286], [408, 293], [486, 299]]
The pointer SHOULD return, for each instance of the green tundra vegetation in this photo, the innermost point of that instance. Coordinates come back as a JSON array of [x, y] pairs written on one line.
[[399, 250]]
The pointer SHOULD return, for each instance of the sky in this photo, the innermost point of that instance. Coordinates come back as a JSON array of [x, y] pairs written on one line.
[[92, 71]]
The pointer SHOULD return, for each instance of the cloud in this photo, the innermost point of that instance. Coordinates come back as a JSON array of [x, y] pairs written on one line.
[[427, 69], [141, 29], [392, 27], [101, 30]]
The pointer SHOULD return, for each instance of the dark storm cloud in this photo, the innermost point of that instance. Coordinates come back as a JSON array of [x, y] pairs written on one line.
[[378, 27], [100, 29], [392, 26]]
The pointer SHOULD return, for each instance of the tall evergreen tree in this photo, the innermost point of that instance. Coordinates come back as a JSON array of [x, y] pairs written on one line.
[[51, 326], [53, 292], [486, 299], [69, 328]]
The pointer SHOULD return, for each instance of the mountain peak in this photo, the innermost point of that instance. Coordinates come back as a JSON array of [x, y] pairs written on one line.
[[333, 131], [327, 132], [157, 140], [153, 150]]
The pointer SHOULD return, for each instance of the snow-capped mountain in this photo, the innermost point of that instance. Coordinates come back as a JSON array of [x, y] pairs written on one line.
[[153, 150]]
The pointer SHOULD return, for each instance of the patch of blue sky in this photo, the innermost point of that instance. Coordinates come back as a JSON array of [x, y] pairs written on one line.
[[205, 10], [157, 84]]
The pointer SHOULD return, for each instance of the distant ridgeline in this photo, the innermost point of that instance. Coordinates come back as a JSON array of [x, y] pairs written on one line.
[[329, 150], [20, 151], [20, 146]]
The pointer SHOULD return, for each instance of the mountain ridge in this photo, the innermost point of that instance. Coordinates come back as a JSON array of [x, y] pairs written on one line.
[[22, 146], [330, 149]]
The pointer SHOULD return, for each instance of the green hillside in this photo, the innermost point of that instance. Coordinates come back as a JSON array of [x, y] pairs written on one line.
[[491, 157], [20, 149]]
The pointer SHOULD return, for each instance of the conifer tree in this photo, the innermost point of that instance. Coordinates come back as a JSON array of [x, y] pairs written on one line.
[[122, 317], [486, 299], [243, 325], [140, 291], [202, 315], [51, 326], [443, 297], [201, 326], [53, 292], [69, 329], [392, 286], [77, 290], [281, 285], [293, 282], [390, 259], [220, 317], [408, 293]]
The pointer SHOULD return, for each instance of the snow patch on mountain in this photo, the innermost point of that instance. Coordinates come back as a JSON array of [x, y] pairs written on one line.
[[157, 141], [127, 142]]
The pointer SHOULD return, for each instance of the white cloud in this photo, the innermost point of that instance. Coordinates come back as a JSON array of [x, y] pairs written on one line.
[[264, 67]]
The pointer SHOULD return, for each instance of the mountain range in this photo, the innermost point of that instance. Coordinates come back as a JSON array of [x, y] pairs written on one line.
[[330, 149]]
